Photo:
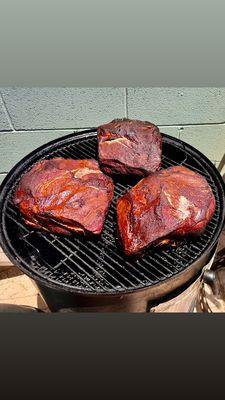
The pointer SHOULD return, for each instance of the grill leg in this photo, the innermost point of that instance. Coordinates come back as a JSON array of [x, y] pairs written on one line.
[[55, 299]]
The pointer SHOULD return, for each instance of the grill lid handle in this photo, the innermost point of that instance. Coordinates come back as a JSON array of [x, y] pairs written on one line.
[[216, 280], [215, 277]]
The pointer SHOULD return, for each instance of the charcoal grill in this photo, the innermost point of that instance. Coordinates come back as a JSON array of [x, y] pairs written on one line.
[[93, 273]]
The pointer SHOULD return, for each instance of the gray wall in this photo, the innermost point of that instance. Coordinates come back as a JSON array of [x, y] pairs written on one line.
[[30, 117]]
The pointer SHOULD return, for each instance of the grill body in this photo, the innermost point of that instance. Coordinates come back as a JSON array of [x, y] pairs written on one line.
[[93, 272], [180, 299]]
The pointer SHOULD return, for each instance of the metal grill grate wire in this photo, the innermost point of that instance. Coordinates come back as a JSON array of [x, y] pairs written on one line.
[[99, 265]]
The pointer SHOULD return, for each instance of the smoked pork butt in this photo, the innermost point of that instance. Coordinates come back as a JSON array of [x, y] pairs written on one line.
[[64, 196], [172, 202], [129, 147]]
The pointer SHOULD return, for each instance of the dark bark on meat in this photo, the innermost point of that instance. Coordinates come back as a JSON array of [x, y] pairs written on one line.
[[65, 196], [129, 147], [172, 202]]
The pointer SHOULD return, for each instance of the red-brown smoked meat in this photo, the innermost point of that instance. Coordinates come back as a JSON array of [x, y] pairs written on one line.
[[129, 147], [172, 202], [64, 196]]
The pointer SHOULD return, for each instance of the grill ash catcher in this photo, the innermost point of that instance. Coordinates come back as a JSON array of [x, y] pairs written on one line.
[[92, 274]]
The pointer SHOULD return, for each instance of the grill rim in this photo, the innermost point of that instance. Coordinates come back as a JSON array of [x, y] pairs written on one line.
[[30, 159]]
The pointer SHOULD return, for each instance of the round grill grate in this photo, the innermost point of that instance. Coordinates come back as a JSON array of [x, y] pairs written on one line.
[[98, 265]]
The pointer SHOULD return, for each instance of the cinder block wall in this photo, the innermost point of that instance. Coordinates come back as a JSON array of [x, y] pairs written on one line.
[[30, 117]]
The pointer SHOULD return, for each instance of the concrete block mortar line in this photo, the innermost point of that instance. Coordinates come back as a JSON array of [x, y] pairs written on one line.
[[6, 112], [69, 130], [191, 124], [93, 127], [179, 129]]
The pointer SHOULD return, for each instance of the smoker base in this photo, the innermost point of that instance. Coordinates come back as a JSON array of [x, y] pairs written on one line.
[[184, 302], [181, 300]]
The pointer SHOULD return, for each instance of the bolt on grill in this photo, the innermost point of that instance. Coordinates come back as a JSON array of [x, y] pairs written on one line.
[[98, 265]]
